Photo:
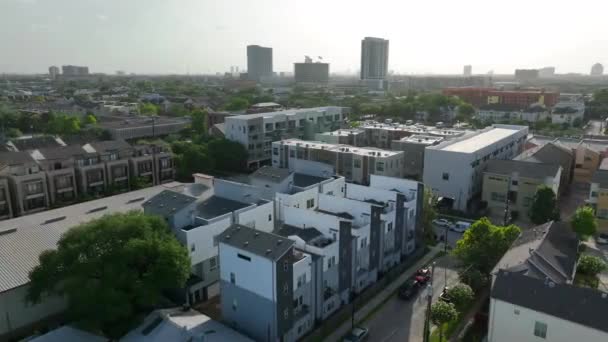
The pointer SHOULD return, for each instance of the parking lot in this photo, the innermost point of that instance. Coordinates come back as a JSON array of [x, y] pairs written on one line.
[[403, 320]]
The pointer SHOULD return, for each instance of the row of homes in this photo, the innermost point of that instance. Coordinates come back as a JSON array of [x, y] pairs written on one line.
[[337, 238], [39, 178]]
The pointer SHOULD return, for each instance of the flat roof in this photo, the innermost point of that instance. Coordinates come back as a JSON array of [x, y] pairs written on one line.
[[216, 206], [318, 145], [479, 141], [282, 112]]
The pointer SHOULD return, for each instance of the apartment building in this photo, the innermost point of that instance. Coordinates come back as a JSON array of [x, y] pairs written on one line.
[[413, 148], [58, 164], [382, 135], [353, 137], [6, 207], [354, 163], [523, 98], [503, 113], [27, 182], [517, 182], [22, 239], [569, 109], [556, 154], [257, 131], [533, 297], [454, 168], [115, 155]]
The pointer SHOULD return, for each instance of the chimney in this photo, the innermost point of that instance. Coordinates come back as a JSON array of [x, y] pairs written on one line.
[[200, 178]]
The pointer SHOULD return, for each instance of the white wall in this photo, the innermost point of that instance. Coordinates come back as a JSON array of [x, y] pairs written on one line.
[[301, 267], [307, 218], [361, 211], [202, 238], [335, 187], [258, 216], [255, 275], [406, 186], [239, 192], [507, 326]]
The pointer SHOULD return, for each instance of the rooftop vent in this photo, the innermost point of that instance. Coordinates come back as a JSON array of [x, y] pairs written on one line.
[[246, 243], [56, 219], [256, 234]]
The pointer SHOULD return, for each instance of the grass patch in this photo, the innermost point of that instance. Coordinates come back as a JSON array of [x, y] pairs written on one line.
[[586, 280], [448, 330]]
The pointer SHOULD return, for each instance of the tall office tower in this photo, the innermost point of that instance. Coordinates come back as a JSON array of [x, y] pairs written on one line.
[[467, 71], [259, 62], [374, 58], [74, 70], [597, 69], [53, 72]]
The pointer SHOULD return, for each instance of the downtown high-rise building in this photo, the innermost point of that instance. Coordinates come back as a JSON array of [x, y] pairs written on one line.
[[259, 62], [597, 69], [374, 58], [467, 71]]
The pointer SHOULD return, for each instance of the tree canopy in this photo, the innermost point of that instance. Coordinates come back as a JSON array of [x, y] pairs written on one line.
[[428, 213], [461, 295], [544, 206], [191, 158], [442, 312], [148, 109], [591, 265], [483, 244], [199, 122], [583, 222], [112, 270]]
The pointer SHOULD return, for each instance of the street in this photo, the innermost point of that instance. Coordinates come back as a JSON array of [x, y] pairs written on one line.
[[594, 128], [400, 320]]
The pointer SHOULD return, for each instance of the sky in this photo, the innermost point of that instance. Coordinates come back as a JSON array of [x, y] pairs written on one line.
[[208, 36]]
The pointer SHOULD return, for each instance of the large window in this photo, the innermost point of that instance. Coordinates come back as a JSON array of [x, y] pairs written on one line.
[[380, 166], [540, 329], [357, 163], [497, 197], [445, 176]]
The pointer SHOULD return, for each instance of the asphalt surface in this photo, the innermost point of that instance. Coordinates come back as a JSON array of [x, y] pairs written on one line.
[[400, 320], [594, 128]]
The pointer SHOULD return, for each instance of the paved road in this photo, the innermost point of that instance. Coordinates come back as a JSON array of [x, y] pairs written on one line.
[[594, 128], [452, 235], [399, 320]]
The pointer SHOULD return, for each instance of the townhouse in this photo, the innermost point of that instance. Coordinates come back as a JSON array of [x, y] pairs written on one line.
[[556, 154], [356, 164], [413, 148], [533, 297], [257, 131], [598, 195], [454, 168], [27, 182]]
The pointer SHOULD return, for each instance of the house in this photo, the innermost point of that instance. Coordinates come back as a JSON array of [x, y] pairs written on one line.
[[598, 195], [517, 182], [532, 296], [556, 154], [27, 182]]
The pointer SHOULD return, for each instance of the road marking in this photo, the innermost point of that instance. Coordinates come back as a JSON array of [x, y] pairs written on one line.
[[390, 335]]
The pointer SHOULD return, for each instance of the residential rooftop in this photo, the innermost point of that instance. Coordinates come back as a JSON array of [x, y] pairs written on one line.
[[478, 141], [287, 112], [263, 244], [422, 139], [344, 132], [523, 168], [318, 145], [216, 206], [167, 203]]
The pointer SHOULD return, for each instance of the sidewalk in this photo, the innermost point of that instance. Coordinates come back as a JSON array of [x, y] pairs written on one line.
[[380, 298]]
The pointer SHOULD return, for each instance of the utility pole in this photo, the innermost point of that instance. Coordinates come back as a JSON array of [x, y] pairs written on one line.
[[427, 319], [506, 216]]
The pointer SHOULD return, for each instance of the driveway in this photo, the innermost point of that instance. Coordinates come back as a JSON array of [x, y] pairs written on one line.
[[594, 128], [399, 320]]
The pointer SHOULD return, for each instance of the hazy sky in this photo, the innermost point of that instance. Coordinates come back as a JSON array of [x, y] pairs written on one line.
[[202, 36]]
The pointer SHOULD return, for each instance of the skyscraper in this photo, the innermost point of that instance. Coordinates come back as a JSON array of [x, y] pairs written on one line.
[[259, 62], [374, 58], [467, 71], [597, 69], [53, 72]]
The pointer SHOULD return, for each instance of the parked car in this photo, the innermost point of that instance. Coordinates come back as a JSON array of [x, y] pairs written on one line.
[[602, 239], [460, 226], [442, 223], [409, 122], [357, 334], [409, 289], [423, 275], [444, 296]]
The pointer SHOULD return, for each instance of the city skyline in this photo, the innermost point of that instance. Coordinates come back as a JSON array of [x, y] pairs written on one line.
[[207, 37]]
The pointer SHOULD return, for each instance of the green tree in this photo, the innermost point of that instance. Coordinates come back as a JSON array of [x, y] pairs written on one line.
[[590, 265], [461, 295], [111, 270], [90, 119], [583, 223], [465, 112], [63, 124], [228, 155], [482, 245], [148, 109], [474, 278], [199, 122], [191, 158], [237, 103], [441, 313], [428, 215], [13, 133], [544, 205]]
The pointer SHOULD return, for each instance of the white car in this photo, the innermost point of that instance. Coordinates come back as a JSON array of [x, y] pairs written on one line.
[[460, 226], [442, 223], [602, 239]]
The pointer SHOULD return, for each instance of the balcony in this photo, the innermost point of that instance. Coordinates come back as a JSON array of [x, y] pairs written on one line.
[[329, 292], [301, 312]]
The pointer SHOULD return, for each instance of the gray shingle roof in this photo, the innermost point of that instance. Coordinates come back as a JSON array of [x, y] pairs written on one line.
[[62, 152], [550, 153], [110, 145], [266, 245], [19, 249], [306, 234], [167, 203], [524, 168], [304, 181], [216, 206], [272, 174], [15, 158], [581, 305]]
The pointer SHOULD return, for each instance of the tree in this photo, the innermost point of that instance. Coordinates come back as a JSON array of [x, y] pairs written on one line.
[[199, 122], [474, 278], [428, 214], [148, 109], [90, 119], [465, 112], [583, 222], [482, 245], [111, 270], [237, 103], [441, 313], [461, 295], [591, 265], [191, 158], [13, 133], [544, 205], [228, 155], [63, 124]]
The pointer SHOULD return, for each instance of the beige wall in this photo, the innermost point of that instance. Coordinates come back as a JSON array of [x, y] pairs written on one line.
[[587, 161], [499, 185]]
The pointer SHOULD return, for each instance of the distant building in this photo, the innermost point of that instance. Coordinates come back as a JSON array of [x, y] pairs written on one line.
[[467, 71], [413, 148], [546, 72], [523, 98], [259, 62], [73, 70], [309, 72], [374, 60], [526, 74], [53, 72], [597, 69]]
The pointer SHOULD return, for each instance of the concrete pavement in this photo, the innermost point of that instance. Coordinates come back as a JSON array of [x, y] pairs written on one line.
[[371, 305]]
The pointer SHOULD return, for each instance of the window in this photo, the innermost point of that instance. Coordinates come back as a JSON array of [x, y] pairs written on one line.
[[244, 257], [593, 193], [213, 263], [285, 288], [310, 203], [380, 166], [445, 176], [602, 213], [363, 242], [292, 154], [275, 151], [232, 278], [192, 248], [234, 304], [514, 182], [497, 197], [390, 227], [269, 217], [357, 164], [285, 265], [540, 329]]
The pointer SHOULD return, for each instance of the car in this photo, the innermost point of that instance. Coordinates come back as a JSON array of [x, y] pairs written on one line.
[[442, 223], [357, 334], [409, 122], [409, 289], [602, 239], [444, 296], [423, 275], [460, 226]]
